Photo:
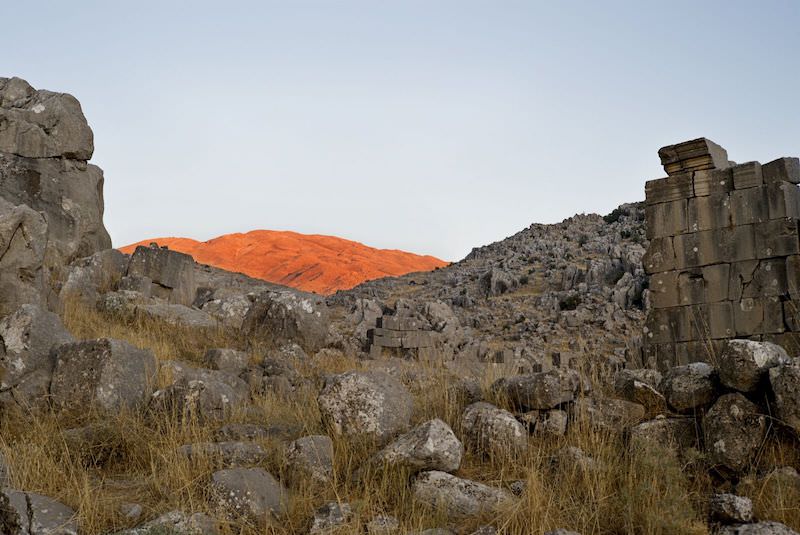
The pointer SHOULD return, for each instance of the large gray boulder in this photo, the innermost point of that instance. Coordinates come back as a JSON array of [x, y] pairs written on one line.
[[372, 405], [42, 124], [23, 240], [608, 414], [228, 453], [744, 363], [177, 523], [539, 391], [248, 494], [70, 195], [431, 445], [490, 430], [27, 339], [312, 456], [87, 278], [171, 273], [330, 518], [288, 316], [109, 374], [675, 433], [785, 382], [26, 513], [459, 498], [758, 528], [729, 508], [641, 386], [201, 399], [734, 430], [690, 387]]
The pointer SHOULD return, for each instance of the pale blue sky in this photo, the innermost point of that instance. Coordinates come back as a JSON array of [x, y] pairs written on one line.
[[432, 126]]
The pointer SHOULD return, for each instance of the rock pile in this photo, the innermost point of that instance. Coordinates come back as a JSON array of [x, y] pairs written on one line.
[[724, 253]]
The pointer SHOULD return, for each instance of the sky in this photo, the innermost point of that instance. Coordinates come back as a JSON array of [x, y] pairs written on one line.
[[432, 126]]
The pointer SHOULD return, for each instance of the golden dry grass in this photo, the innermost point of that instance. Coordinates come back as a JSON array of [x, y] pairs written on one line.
[[133, 458]]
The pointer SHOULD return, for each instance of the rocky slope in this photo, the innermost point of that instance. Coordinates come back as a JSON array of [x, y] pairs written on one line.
[[313, 263]]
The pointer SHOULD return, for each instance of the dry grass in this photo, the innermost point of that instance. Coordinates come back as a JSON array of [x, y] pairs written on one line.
[[133, 458]]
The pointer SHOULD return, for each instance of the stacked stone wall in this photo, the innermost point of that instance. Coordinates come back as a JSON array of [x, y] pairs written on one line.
[[724, 254]]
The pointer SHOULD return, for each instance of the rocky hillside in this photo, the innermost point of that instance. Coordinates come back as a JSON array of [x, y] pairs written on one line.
[[313, 263], [148, 394]]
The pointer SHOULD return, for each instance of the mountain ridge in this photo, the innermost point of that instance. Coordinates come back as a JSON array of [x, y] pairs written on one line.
[[313, 262]]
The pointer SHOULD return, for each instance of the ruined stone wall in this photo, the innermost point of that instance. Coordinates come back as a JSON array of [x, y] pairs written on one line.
[[724, 254]]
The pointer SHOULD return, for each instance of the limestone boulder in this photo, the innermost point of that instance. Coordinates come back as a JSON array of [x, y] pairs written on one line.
[[177, 314], [70, 195], [226, 359], [23, 240], [88, 278], [42, 124], [734, 430], [177, 523], [745, 363], [690, 387], [228, 453], [459, 498], [109, 374], [26, 513], [248, 494], [675, 433], [490, 430], [431, 445], [641, 386], [785, 383], [330, 517], [172, 273], [539, 391], [312, 456], [372, 405], [204, 400], [27, 339], [729, 508], [287, 316], [608, 414], [758, 528], [174, 371]]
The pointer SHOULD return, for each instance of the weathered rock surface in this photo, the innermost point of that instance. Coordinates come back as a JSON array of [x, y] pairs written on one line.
[[641, 386], [228, 453], [110, 374], [691, 386], [329, 517], [283, 317], [677, 433], [459, 498], [759, 528], [33, 514], [312, 456], [87, 278], [429, 446], [729, 508], [177, 523], [373, 405], [249, 494], [744, 363], [734, 430], [27, 339], [23, 238], [197, 398], [785, 382], [177, 314], [607, 413], [490, 430], [225, 359], [539, 391], [172, 273]]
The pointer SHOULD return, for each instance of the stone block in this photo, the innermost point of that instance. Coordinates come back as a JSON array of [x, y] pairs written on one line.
[[748, 206], [747, 175], [789, 341], [782, 170], [658, 356], [417, 339], [721, 320], [661, 325], [784, 200], [748, 316], [667, 219], [692, 155], [660, 255], [773, 315], [671, 188], [172, 273], [712, 181], [757, 278], [777, 238], [691, 287], [384, 338], [717, 280], [696, 351], [664, 289], [709, 212], [716, 246], [400, 323], [793, 277]]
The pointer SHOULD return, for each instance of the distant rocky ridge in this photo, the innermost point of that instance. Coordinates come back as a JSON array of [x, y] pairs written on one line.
[[309, 262]]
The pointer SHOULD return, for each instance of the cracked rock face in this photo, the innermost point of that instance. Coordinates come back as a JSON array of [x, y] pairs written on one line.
[[25, 513], [27, 338], [431, 445], [110, 374], [372, 405], [284, 317], [23, 238]]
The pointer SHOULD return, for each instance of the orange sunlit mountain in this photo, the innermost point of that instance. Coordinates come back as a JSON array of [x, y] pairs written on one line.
[[311, 262]]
